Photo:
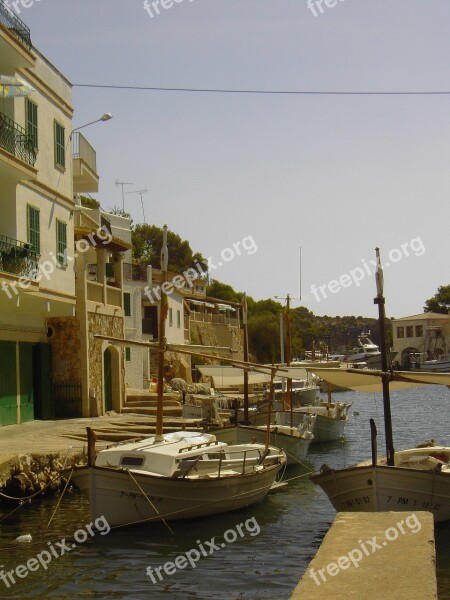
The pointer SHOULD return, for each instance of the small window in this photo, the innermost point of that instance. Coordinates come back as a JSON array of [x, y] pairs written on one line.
[[61, 242], [409, 331], [128, 354], [179, 319], [170, 317], [60, 149], [127, 304], [400, 332], [132, 461], [32, 122], [34, 236], [419, 330]]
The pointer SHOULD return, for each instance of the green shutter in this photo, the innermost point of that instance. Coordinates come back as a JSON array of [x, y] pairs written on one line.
[[34, 236], [61, 242], [32, 122], [8, 383], [127, 304], [26, 382], [128, 354], [60, 150]]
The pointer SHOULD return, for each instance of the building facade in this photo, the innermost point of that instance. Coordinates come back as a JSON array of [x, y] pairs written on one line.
[[426, 336], [36, 223]]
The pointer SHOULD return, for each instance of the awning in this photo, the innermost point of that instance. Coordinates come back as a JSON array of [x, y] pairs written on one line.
[[366, 380], [231, 376]]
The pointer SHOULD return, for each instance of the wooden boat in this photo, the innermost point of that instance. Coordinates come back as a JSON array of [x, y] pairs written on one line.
[[182, 476], [331, 419], [417, 478], [176, 476]]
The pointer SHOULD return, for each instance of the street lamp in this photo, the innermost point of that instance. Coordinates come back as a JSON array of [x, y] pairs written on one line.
[[105, 117]]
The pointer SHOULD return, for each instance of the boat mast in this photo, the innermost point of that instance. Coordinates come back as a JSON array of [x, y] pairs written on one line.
[[245, 324], [384, 362], [164, 309]]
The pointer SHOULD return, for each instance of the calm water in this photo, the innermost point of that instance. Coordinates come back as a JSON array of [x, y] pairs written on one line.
[[268, 564]]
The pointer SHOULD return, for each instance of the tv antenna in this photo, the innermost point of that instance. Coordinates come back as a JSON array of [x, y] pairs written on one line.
[[122, 183]]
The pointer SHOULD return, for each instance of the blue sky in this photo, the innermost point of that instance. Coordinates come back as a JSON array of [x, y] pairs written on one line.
[[334, 175]]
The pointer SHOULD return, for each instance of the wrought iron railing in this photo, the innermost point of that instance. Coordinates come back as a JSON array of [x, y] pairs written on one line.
[[82, 149], [15, 140], [17, 258], [17, 27]]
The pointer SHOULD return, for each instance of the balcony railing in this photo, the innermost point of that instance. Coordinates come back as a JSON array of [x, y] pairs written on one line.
[[82, 149], [134, 272], [15, 140], [17, 258], [17, 27]]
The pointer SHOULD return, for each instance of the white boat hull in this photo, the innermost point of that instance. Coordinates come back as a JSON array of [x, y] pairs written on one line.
[[326, 429], [121, 500], [296, 448], [383, 488]]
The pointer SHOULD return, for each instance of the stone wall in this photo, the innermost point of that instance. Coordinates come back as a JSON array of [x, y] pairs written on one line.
[[99, 324], [65, 342]]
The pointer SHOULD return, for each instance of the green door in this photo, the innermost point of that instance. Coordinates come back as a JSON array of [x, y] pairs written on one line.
[[108, 380], [8, 383], [44, 406], [26, 382]]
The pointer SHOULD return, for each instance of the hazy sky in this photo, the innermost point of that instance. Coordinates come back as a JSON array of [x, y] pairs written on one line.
[[334, 175]]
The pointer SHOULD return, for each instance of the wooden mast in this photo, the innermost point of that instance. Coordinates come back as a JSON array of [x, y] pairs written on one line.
[[244, 322], [384, 362], [164, 308]]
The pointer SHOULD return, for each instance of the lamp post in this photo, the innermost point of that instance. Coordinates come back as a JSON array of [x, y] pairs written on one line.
[[105, 117]]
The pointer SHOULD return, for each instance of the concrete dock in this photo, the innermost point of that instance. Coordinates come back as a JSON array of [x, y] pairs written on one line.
[[370, 556]]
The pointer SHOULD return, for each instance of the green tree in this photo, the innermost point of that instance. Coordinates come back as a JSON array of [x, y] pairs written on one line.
[[147, 243], [89, 202], [223, 291], [440, 302]]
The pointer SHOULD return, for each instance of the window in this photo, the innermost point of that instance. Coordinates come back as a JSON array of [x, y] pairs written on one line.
[[419, 330], [127, 304], [61, 242], [34, 237], [128, 354], [400, 332], [60, 150], [178, 319], [409, 331], [32, 122], [170, 317]]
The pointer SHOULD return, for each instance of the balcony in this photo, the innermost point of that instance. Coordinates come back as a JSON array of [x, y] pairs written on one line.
[[17, 153], [15, 42], [16, 258], [85, 177]]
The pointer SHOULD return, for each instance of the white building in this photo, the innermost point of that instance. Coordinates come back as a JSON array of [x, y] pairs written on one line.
[[36, 224]]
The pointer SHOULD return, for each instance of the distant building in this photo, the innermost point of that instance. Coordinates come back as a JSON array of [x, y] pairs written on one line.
[[426, 335]]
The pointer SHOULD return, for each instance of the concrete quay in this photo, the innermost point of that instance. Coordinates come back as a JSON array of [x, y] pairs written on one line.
[[370, 556]]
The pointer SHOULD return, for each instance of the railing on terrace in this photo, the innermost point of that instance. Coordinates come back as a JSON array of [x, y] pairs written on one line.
[[17, 258], [134, 272], [17, 27], [213, 318], [15, 140], [82, 149]]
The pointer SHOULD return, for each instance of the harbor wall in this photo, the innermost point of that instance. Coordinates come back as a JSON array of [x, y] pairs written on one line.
[[373, 556]]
